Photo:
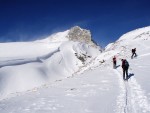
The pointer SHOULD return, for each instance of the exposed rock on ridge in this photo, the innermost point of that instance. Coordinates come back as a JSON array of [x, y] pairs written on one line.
[[81, 35]]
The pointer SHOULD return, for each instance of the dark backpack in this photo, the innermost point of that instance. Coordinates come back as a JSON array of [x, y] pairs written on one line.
[[126, 64], [133, 50]]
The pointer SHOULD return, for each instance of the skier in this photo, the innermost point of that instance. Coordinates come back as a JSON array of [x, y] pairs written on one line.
[[133, 53], [114, 62], [125, 66]]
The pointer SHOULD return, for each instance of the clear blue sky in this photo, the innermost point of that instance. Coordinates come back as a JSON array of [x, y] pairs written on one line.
[[24, 20]]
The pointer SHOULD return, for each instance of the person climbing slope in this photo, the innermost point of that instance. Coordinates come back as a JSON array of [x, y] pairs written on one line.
[[133, 53], [114, 62], [125, 67]]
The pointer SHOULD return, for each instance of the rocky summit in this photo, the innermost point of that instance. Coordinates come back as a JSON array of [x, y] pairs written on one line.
[[78, 34]]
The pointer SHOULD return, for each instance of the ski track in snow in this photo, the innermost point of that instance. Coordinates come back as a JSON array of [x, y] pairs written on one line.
[[122, 101], [106, 93], [132, 98]]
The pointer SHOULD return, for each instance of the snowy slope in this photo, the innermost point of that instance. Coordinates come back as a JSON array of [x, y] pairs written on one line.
[[92, 86], [135, 39], [136, 92], [27, 65]]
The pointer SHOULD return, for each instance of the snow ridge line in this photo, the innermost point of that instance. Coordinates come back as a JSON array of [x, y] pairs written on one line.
[[29, 60]]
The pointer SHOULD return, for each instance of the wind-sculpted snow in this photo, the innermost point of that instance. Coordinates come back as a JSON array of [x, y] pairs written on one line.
[[73, 77], [28, 65], [59, 37], [22, 61]]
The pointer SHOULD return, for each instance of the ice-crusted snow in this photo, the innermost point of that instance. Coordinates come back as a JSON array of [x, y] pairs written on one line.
[[49, 76]]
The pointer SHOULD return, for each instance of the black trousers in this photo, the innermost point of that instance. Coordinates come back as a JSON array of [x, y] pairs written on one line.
[[133, 54], [114, 64], [125, 72]]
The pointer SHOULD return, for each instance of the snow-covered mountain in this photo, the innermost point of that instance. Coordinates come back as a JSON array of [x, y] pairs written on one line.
[[70, 75], [138, 38], [26, 65], [134, 95]]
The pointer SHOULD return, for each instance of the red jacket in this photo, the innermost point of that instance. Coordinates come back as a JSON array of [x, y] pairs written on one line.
[[114, 59]]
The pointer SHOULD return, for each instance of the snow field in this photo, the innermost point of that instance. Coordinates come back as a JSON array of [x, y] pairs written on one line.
[[73, 77], [80, 93]]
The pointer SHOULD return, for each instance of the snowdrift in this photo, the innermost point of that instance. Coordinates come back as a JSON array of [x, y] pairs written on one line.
[[27, 65], [41, 62]]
